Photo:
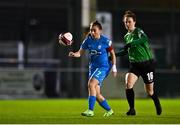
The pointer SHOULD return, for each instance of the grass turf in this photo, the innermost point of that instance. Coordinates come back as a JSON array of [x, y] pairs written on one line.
[[67, 111]]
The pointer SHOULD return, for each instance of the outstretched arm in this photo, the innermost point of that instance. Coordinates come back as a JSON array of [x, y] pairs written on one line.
[[77, 54], [121, 52]]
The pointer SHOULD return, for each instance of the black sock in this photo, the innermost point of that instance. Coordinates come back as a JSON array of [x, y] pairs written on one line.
[[156, 103], [130, 97], [155, 98]]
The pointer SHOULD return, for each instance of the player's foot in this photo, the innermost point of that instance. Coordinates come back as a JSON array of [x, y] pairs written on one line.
[[109, 113], [88, 113], [158, 109], [131, 112]]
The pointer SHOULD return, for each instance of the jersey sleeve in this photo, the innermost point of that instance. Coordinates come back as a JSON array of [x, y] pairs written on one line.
[[109, 45], [121, 52], [84, 44]]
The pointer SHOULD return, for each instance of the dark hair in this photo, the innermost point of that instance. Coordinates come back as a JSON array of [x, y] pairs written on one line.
[[129, 14], [96, 23]]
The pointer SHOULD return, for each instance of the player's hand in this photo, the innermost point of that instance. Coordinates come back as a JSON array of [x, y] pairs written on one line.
[[71, 54], [114, 70]]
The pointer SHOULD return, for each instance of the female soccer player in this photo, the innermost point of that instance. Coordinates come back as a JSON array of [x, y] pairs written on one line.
[[141, 62], [99, 66]]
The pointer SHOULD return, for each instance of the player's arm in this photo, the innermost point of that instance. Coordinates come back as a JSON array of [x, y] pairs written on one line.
[[77, 54], [121, 52], [113, 57]]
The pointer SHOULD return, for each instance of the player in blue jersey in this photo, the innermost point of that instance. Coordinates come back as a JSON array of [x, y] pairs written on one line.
[[99, 47]]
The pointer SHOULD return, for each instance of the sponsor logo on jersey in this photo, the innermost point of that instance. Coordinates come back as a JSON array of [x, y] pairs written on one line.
[[95, 52]]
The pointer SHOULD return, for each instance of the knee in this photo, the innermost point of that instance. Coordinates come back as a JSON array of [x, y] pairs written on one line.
[[150, 89], [130, 80], [91, 85], [129, 86], [150, 92]]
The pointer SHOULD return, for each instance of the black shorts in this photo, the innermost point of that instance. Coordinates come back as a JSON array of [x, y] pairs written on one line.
[[144, 69]]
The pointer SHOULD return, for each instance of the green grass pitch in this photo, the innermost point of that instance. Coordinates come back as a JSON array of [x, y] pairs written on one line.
[[67, 111]]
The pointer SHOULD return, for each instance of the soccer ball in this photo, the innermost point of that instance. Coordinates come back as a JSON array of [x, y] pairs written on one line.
[[66, 39]]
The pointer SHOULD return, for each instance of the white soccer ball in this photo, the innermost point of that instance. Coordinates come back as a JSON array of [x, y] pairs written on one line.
[[66, 39]]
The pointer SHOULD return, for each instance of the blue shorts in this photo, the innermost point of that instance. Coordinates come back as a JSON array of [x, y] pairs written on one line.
[[99, 73]]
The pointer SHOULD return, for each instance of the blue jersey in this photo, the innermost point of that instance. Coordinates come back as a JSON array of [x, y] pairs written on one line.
[[98, 53]]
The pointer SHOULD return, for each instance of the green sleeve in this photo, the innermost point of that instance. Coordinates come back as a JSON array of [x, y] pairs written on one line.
[[121, 52]]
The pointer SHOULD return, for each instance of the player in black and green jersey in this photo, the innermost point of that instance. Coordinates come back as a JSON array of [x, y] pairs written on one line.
[[141, 62]]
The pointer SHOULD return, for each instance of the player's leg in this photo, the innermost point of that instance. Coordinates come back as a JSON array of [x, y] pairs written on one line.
[[148, 75], [103, 102], [100, 76], [92, 97], [150, 91], [130, 80], [92, 92]]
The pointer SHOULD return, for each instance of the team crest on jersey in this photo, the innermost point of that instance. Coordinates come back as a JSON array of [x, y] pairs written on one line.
[[99, 46]]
